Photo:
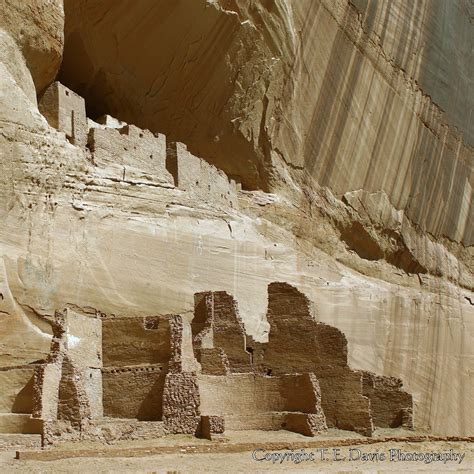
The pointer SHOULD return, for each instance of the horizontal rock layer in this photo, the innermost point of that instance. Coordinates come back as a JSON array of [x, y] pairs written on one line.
[[359, 95], [371, 210]]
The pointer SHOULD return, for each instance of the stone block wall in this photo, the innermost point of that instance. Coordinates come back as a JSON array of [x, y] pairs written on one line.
[[128, 153], [181, 403], [390, 405], [140, 153], [136, 356], [65, 111], [342, 400], [135, 341], [217, 325], [200, 178], [297, 342], [299, 349], [73, 403], [250, 401], [133, 392], [68, 386], [144, 370]]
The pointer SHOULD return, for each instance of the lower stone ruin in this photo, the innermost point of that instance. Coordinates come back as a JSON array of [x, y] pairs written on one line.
[[112, 378]]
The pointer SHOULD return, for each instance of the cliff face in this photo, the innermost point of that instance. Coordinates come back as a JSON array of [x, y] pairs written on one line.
[[359, 95], [37, 28], [347, 123]]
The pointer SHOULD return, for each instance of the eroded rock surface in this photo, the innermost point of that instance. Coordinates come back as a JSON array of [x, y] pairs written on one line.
[[357, 193], [359, 95]]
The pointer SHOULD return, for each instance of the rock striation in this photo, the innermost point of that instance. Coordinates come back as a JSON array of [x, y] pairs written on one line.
[[277, 172], [361, 94]]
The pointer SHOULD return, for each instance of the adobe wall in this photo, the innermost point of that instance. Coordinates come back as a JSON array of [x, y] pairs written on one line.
[[200, 178], [217, 325], [65, 111], [390, 405], [145, 369], [249, 401], [147, 378], [297, 344], [181, 403], [74, 404], [135, 155], [136, 355], [69, 385], [135, 341], [141, 153], [249, 394], [181, 400], [133, 392], [342, 400]]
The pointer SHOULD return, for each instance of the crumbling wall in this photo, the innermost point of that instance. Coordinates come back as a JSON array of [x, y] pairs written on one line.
[[131, 154], [149, 371], [200, 178], [219, 334], [73, 402], [133, 392], [342, 400], [135, 341], [390, 406], [298, 381], [297, 342], [140, 154], [65, 111], [68, 386], [298, 346], [136, 353], [181, 403], [249, 401], [181, 400]]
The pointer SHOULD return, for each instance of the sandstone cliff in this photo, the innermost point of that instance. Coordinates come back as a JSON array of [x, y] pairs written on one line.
[[347, 124]]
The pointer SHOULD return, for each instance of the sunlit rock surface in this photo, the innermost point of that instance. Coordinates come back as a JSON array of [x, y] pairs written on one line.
[[359, 95], [348, 126]]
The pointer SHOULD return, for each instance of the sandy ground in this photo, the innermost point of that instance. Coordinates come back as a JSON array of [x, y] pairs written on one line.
[[245, 462]]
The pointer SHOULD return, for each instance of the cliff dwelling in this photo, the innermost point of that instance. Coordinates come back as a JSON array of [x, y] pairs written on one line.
[[236, 231], [115, 378]]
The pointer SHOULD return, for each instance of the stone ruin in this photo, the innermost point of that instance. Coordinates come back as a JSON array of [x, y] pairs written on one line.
[[112, 378], [301, 374], [133, 155], [65, 111]]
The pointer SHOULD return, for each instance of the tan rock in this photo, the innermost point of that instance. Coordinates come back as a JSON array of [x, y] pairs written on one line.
[[370, 214]]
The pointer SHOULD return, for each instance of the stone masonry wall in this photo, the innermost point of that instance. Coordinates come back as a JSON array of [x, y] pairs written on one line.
[[133, 392], [390, 405], [68, 386], [217, 326], [200, 178], [139, 154], [65, 111], [135, 341], [297, 344]]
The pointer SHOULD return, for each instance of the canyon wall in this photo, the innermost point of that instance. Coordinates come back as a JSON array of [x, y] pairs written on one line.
[[347, 124], [359, 95]]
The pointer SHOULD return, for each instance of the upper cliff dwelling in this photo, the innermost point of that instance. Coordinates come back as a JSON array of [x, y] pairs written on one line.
[[230, 225]]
